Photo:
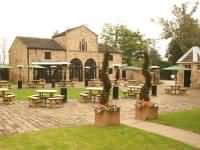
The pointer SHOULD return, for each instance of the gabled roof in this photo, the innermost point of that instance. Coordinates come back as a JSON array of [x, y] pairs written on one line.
[[40, 43], [71, 29], [192, 56]]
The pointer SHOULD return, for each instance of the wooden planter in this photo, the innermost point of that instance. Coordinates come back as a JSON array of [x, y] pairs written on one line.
[[106, 118], [146, 111]]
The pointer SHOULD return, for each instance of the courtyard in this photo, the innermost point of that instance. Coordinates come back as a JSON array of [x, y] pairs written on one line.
[[19, 118]]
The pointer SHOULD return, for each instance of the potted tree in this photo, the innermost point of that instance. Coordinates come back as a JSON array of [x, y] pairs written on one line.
[[145, 109], [105, 112]]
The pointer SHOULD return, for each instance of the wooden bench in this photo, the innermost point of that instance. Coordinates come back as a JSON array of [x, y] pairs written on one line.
[[168, 90], [182, 91], [55, 102], [9, 99], [35, 101], [85, 98]]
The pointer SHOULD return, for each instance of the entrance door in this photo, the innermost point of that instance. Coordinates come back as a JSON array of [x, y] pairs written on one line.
[[187, 78]]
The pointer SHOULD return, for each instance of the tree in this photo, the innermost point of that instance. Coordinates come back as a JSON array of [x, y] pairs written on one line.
[[119, 36], [183, 30], [105, 79], [155, 57]]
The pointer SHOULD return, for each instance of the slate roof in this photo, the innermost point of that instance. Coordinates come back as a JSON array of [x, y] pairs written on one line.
[[40, 43], [191, 56], [68, 30]]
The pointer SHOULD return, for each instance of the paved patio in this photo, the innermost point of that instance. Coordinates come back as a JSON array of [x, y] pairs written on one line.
[[19, 117]]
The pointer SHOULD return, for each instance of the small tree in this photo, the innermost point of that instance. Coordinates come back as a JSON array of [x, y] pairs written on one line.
[[105, 78], [147, 76]]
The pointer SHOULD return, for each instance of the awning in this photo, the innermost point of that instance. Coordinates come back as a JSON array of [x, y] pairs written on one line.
[[36, 66], [176, 68], [5, 66], [51, 63], [155, 67]]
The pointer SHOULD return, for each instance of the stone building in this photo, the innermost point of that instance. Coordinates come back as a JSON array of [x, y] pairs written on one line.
[[74, 54], [191, 61]]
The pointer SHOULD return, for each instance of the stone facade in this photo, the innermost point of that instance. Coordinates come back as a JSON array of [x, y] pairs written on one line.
[[78, 43], [195, 74], [190, 77]]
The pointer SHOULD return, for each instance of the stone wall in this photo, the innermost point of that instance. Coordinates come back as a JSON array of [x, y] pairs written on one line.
[[195, 76], [17, 56]]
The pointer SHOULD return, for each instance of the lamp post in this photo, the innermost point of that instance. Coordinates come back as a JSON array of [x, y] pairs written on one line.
[[19, 83], [86, 75]]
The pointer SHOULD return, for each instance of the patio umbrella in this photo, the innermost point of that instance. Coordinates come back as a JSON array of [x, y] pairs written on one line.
[[176, 68]]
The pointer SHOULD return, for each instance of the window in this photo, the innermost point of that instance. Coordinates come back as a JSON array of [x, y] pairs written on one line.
[[47, 55], [83, 45], [188, 66]]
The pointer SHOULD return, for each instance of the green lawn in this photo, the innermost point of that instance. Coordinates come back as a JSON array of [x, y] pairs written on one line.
[[22, 94], [189, 120], [90, 138], [73, 93]]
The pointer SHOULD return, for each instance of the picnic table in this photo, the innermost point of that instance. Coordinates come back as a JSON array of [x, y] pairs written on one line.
[[48, 98], [43, 92], [94, 92], [8, 98], [36, 83], [4, 83], [175, 89], [134, 90], [3, 91]]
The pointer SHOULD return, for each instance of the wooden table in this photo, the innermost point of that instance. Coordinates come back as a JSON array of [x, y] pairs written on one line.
[[134, 87], [3, 83], [44, 97], [134, 90], [3, 91], [46, 91], [94, 91]]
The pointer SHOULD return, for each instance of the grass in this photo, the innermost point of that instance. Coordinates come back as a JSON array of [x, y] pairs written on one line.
[[73, 93], [189, 120], [90, 138], [22, 94]]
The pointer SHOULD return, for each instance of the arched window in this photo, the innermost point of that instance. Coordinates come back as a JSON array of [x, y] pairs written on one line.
[[83, 45]]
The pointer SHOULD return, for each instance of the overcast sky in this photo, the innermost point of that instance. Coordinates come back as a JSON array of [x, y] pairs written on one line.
[[41, 18]]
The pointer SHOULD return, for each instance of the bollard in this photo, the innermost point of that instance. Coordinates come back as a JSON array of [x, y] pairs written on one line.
[[154, 90], [115, 92], [53, 84], [63, 91], [86, 82], [19, 84]]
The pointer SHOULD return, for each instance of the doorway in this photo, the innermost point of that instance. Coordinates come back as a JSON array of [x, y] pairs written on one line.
[[187, 78]]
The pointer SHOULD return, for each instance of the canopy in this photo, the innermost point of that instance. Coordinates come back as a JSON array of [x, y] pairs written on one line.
[[51, 63], [36, 66], [176, 67], [5, 66]]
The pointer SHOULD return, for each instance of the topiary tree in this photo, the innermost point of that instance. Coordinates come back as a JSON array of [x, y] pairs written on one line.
[[105, 79], [146, 73]]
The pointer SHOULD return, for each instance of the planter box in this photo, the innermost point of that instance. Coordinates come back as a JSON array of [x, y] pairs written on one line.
[[146, 112], [106, 118]]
